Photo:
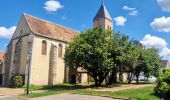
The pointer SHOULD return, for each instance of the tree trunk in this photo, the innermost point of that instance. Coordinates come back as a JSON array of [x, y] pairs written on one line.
[[98, 80], [129, 78], [137, 78], [113, 77], [97, 83], [121, 77]]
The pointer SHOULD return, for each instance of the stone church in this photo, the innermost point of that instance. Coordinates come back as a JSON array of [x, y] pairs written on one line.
[[37, 49]]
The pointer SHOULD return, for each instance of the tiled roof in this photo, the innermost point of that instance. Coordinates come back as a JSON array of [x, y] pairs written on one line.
[[1, 55], [103, 13], [51, 30]]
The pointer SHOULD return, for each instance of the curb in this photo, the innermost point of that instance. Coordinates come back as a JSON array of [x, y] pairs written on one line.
[[104, 96]]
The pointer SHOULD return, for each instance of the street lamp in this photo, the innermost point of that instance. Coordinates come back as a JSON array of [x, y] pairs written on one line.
[[28, 73]]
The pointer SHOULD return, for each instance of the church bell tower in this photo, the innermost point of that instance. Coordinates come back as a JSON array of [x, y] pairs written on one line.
[[103, 18]]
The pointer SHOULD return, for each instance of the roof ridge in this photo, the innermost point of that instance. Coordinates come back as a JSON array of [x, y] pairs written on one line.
[[49, 22], [27, 20], [49, 29]]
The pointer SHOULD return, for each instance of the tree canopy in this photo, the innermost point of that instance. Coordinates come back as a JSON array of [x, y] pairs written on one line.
[[102, 52], [92, 51]]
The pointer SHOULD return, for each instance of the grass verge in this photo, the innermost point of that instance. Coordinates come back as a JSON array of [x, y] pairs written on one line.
[[146, 93]]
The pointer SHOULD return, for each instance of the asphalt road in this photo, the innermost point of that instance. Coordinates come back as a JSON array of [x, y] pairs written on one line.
[[67, 96]]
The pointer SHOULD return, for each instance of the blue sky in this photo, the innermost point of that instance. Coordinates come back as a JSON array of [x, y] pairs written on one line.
[[144, 20]]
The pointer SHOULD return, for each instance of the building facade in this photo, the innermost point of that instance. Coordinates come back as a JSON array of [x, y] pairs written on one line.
[[37, 50]]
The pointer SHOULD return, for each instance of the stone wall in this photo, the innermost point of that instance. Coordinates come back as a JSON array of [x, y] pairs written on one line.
[[43, 66]]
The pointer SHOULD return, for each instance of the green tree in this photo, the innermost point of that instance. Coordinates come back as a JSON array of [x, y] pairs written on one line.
[[124, 55], [162, 88], [127, 58], [152, 67], [149, 63], [92, 51], [131, 59], [121, 51]]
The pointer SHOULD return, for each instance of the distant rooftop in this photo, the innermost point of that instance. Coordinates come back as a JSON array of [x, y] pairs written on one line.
[[103, 13], [1, 55], [165, 64]]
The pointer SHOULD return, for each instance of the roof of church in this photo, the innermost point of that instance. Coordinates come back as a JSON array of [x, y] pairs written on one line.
[[1, 55], [103, 13], [50, 30]]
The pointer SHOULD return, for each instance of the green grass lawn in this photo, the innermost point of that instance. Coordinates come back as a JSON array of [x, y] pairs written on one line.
[[146, 93]]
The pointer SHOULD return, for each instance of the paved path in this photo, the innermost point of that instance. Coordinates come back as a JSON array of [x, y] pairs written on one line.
[[7, 97], [67, 96], [11, 91]]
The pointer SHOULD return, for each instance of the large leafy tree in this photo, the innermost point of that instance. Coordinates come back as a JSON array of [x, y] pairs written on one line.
[[120, 52], [131, 59], [125, 55], [92, 51], [152, 67], [102, 52], [149, 63]]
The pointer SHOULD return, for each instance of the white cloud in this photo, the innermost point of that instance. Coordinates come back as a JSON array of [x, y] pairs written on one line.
[[164, 4], [52, 5], [120, 20], [153, 42], [161, 24], [128, 8], [7, 32], [158, 43], [165, 52], [133, 13]]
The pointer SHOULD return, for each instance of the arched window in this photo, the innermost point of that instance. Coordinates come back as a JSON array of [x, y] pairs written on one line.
[[60, 50], [44, 48]]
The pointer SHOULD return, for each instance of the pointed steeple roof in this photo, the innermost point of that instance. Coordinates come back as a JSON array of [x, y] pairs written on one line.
[[103, 13]]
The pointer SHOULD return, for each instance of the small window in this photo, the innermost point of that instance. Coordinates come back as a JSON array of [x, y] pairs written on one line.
[[108, 27], [60, 52], [44, 48]]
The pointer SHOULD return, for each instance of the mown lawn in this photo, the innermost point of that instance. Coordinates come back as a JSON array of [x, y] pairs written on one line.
[[146, 93]]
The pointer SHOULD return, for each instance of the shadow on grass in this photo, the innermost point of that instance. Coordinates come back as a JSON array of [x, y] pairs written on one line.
[[162, 97], [76, 86], [59, 87]]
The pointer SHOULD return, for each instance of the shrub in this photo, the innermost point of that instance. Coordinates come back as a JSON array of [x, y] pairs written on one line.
[[16, 81], [163, 84]]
